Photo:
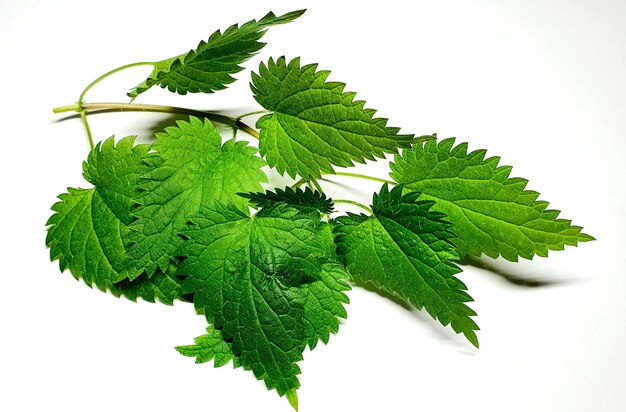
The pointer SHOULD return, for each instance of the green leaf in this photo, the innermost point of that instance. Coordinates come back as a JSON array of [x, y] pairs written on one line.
[[190, 168], [492, 213], [261, 281], [404, 248], [89, 231], [211, 65], [315, 123], [211, 346], [304, 200]]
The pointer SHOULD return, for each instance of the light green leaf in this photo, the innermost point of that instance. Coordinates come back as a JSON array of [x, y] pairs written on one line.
[[88, 232], [190, 168], [404, 248], [211, 65], [266, 282], [315, 124], [492, 213]]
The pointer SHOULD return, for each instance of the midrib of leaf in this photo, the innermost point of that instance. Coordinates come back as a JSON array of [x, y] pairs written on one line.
[[333, 126]]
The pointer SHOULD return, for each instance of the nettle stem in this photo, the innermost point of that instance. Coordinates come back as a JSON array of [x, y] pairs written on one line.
[[107, 107], [360, 176], [81, 98]]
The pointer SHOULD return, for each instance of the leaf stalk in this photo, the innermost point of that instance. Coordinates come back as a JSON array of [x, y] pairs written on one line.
[[352, 202], [109, 73]]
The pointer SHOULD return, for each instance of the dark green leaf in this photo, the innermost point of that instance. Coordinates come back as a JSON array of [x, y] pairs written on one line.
[[404, 248], [266, 282], [304, 200]]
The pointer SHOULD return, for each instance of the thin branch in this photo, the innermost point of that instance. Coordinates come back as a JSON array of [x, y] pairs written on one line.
[[352, 202]]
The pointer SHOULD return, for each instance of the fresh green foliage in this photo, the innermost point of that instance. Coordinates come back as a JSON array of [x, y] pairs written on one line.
[[315, 124], [264, 282], [211, 65], [190, 167], [188, 218], [492, 213], [404, 248]]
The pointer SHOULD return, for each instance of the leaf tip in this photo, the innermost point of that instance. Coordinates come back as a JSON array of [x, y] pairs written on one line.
[[292, 397], [298, 13], [583, 237], [472, 338]]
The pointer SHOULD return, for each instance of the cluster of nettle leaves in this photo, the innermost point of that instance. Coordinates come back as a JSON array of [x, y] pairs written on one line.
[[172, 221]]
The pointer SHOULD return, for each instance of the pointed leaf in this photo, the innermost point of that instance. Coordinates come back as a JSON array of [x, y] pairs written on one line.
[[492, 213], [315, 123], [211, 65]]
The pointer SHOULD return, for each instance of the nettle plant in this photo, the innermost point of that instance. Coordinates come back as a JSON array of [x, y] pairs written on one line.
[[186, 217]]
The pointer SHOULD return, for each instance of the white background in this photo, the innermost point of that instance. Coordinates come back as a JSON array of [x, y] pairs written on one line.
[[540, 83]]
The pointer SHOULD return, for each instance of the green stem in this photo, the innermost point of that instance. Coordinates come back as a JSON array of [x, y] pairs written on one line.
[[135, 107], [81, 98], [83, 116], [360, 176], [352, 202]]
